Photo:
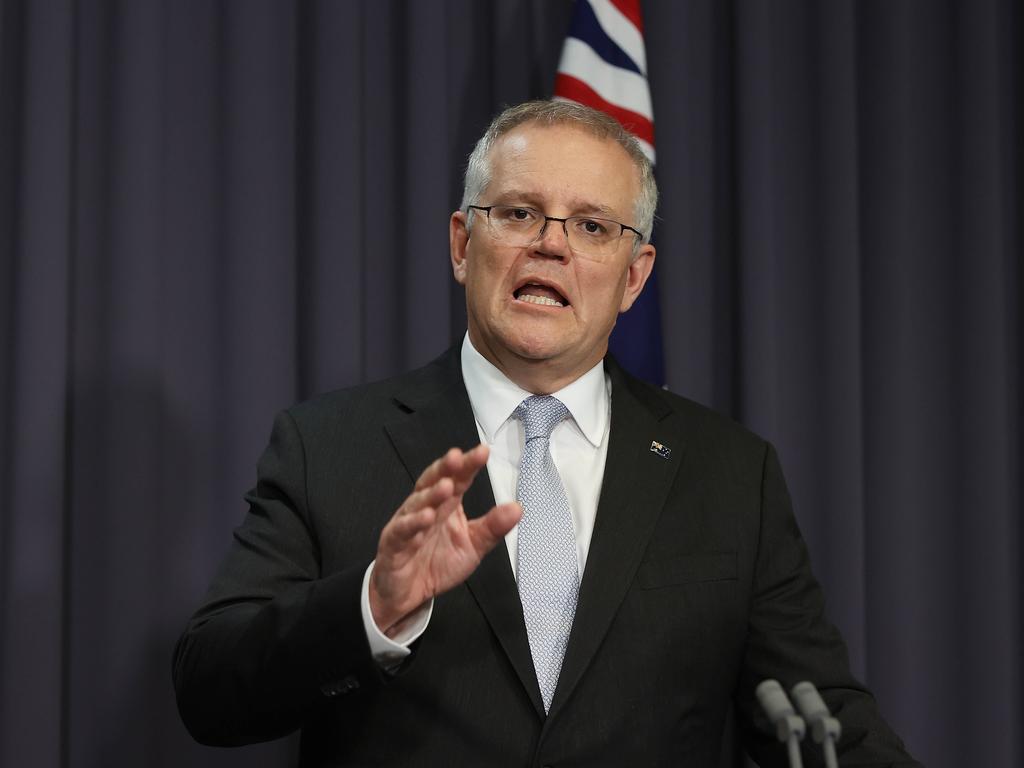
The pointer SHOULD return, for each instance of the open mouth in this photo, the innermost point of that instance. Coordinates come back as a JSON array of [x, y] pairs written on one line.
[[541, 295]]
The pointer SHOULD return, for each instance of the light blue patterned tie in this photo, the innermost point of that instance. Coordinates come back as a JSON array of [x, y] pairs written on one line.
[[547, 572]]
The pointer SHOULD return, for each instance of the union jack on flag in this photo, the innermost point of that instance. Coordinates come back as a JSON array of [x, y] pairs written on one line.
[[604, 66]]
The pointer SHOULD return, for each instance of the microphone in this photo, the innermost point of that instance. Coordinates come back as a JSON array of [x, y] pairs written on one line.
[[789, 726], [825, 729]]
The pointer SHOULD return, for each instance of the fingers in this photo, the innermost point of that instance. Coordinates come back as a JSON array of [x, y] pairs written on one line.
[[442, 467], [460, 466], [417, 513], [428, 496], [436, 494], [404, 528], [472, 462]]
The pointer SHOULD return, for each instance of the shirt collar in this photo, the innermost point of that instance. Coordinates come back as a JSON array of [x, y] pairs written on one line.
[[494, 397]]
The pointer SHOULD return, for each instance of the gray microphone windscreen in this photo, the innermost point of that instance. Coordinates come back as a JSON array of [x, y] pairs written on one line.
[[809, 701], [774, 700]]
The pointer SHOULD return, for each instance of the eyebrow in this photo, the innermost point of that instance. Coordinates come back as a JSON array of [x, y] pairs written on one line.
[[580, 207]]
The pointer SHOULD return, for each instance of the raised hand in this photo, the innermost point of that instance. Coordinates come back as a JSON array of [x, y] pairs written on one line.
[[429, 546]]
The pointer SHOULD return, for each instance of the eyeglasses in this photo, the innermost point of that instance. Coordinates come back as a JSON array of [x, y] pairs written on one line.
[[588, 236]]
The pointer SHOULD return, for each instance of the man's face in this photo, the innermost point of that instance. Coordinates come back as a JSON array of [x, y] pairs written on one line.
[[560, 171]]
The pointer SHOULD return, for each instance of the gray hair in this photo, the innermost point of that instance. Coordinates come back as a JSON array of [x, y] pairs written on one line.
[[549, 113]]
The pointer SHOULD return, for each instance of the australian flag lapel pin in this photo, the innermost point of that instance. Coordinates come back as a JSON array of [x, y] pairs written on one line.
[[662, 450]]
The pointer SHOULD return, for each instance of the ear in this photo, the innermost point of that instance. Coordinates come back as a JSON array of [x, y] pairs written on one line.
[[637, 272], [458, 240]]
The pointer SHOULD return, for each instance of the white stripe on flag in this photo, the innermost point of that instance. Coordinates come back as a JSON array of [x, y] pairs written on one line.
[[619, 86], [621, 31]]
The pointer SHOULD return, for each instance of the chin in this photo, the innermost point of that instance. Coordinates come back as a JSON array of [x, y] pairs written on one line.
[[534, 349]]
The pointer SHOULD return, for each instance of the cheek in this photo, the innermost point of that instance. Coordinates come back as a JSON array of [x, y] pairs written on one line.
[[604, 294], [488, 272], [484, 280]]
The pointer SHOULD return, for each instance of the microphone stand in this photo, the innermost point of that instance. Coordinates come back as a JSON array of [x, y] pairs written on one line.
[[790, 729], [825, 729], [789, 726]]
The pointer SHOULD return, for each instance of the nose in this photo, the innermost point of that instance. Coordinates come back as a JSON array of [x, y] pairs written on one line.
[[553, 240]]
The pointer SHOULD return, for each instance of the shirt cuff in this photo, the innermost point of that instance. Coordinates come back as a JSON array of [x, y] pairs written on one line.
[[390, 652]]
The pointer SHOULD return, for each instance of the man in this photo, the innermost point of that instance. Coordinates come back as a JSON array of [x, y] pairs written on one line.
[[378, 598]]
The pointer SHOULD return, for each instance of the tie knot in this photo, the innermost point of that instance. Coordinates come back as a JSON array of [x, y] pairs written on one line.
[[540, 414]]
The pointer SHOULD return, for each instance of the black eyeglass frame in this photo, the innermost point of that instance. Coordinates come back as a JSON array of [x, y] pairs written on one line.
[[487, 209]]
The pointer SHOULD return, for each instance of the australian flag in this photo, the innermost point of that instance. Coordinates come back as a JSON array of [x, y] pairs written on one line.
[[604, 65]]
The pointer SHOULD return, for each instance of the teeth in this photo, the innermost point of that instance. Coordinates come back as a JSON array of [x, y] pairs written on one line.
[[539, 300]]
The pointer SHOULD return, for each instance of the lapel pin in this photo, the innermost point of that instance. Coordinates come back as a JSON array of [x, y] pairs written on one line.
[[662, 450]]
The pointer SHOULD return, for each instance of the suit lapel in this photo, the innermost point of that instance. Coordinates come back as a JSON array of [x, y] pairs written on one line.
[[635, 487], [438, 416]]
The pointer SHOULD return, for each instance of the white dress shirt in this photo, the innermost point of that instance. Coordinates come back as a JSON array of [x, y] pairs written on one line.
[[579, 447]]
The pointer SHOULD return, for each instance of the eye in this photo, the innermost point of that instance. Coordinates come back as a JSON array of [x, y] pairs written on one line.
[[592, 227], [510, 214]]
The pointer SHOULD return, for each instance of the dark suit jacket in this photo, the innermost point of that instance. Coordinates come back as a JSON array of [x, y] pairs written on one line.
[[697, 587]]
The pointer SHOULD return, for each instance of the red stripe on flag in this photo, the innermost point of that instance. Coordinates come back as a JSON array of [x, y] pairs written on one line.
[[575, 89], [631, 10]]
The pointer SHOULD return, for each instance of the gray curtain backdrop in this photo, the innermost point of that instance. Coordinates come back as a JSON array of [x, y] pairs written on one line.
[[209, 210]]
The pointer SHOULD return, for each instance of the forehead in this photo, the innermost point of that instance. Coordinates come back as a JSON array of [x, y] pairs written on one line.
[[563, 166]]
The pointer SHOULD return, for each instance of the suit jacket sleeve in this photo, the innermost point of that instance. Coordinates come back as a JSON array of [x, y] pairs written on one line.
[[790, 639], [274, 639]]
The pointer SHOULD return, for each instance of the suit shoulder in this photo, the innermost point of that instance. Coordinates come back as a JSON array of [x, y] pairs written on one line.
[[707, 419], [725, 445], [699, 417], [374, 401]]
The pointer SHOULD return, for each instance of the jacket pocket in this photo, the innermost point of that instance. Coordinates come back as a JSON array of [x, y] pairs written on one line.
[[687, 569]]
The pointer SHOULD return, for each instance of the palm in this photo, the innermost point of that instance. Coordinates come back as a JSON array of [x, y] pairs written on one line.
[[447, 555], [429, 546]]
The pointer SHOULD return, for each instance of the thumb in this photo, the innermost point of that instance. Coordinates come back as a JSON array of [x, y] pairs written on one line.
[[485, 532]]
